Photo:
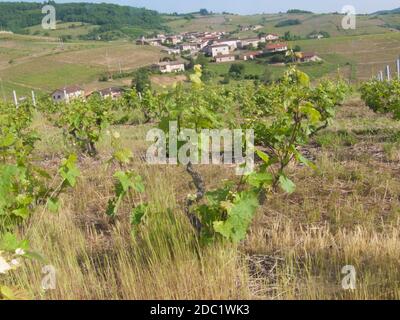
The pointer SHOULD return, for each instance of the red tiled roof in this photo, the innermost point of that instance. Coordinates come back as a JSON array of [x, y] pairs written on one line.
[[275, 46], [308, 54]]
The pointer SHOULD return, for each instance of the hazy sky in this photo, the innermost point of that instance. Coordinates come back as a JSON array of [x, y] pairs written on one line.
[[253, 6]]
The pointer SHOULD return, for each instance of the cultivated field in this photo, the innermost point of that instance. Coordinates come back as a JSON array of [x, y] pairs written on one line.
[[346, 212], [45, 64], [330, 23]]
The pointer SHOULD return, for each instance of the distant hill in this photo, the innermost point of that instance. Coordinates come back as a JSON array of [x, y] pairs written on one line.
[[111, 18], [394, 11]]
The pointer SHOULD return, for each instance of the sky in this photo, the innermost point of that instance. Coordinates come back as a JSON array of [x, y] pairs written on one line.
[[251, 6]]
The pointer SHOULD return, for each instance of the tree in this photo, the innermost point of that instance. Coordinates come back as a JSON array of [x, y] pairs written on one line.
[[141, 81], [201, 60], [268, 76], [297, 48], [287, 36], [204, 12], [278, 58], [261, 45], [237, 70]]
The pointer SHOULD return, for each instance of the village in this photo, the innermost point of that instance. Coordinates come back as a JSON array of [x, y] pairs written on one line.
[[221, 48], [216, 46]]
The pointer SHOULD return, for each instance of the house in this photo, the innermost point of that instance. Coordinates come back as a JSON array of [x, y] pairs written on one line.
[[151, 42], [161, 37], [231, 43], [276, 47], [172, 51], [112, 93], [271, 37], [202, 43], [251, 42], [244, 28], [224, 58], [188, 47], [217, 49], [308, 57], [141, 41], [250, 55], [172, 40], [316, 36], [68, 93], [170, 66]]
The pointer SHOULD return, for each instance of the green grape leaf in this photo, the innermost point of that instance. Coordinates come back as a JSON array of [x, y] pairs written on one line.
[[240, 215], [138, 213], [53, 205], [286, 184], [259, 179]]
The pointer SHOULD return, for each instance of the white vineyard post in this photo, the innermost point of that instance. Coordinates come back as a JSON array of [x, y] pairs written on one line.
[[15, 98], [381, 75], [388, 72], [33, 98], [66, 96], [398, 69]]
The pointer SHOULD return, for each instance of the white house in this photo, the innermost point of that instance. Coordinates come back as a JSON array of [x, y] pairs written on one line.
[[68, 93], [276, 47], [252, 42], [171, 66], [271, 37], [202, 43], [250, 55], [309, 57], [112, 93], [231, 43], [316, 36], [171, 50], [225, 58], [218, 49], [188, 47]]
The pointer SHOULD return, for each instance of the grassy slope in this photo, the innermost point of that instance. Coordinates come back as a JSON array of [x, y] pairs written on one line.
[[370, 53], [43, 64], [316, 22], [73, 29]]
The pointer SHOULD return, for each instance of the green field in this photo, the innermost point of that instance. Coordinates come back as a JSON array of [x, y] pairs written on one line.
[[72, 29], [370, 53], [44, 64], [330, 23]]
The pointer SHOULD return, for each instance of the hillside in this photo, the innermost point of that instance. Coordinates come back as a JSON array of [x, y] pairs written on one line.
[[330, 23], [44, 64], [112, 20], [394, 11]]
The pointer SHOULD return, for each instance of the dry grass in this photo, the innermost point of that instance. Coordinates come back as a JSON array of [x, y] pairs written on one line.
[[345, 213]]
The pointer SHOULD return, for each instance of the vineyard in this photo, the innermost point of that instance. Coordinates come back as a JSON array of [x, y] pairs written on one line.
[[77, 193]]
